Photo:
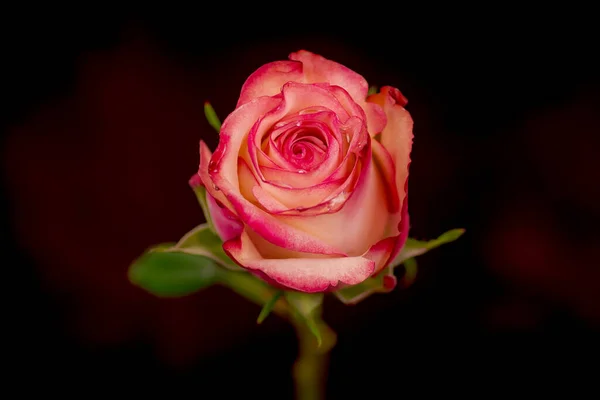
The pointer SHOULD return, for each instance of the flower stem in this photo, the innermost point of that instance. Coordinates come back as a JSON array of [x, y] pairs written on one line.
[[312, 364]]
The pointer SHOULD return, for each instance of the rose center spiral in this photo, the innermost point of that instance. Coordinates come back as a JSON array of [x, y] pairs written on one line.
[[302, 146]]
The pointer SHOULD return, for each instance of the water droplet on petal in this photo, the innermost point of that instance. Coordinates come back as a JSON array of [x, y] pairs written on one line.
[[213, 167], [337, 201], [216, 187], [301, 171]]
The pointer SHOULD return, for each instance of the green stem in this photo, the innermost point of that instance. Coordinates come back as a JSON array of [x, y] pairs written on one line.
[[256, 291], [312, 363], [311, 366]]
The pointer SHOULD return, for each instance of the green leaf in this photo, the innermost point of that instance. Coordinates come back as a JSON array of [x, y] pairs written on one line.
[[305, 306], [203, 241], [200, 192], [168, 274], [372, 90], [268, 307], [211, 116], [413, 248], [381, 283], [385, 281]]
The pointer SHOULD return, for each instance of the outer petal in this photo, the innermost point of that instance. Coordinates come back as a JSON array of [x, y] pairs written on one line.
[[268, 80], [381, 252], [223, 170], [361, 221], [226, 223], [385, 164], [403, 227], [205, 156], [318, 69], [303, 274], [397, 137], [376, 119], [271, 228], [233, 135]]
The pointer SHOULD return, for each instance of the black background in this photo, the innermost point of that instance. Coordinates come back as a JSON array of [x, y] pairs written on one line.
[[506, 129]]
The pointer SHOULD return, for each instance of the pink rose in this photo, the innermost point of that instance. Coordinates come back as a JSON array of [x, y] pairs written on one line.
[[308, 185]]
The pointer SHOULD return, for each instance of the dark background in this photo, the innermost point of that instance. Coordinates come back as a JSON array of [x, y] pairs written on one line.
[[101, 122]]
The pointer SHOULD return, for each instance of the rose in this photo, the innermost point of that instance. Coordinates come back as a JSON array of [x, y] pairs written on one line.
[[308, 184]]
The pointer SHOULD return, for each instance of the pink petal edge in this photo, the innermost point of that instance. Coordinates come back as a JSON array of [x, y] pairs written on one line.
[[268, 80], [318, 69], [310, 275]]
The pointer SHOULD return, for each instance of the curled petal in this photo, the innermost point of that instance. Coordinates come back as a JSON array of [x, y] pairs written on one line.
[[403, 228], [319, 69], [397, 137], [226, 223], [267, 201], [271, 228], [295, 98], [349, 104], [380, 253], [361, 219], [308, 275], [268, 80], [205, 157], [385, 164], [376, 119], [233, 135]]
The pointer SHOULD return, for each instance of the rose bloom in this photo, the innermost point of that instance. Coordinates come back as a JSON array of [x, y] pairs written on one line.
[[308, 184]]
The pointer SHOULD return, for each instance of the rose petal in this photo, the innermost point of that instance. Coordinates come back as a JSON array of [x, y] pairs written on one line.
[[324, 125], [350, 105], [308, 275], [317, 68], [381, 252], [205, 156], [362, 219], [268, 80], [226, 223], [223, 170], [385, 164], [267, 194], [296, 97], [376, 119], [233, 135], [271, 228], [403, 228], [397, 137], [267, 201]]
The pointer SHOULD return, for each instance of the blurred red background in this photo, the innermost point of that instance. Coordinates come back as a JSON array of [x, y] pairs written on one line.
[[101, 135]]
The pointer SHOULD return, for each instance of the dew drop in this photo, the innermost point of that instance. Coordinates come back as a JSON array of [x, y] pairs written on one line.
[[216, 187], [337, 201], [301, 171], [212, 167]]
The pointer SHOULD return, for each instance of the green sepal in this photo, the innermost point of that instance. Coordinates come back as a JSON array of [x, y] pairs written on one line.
[[202, 241], [168, 274], [410, 272], [413, 248], [305, 308], [372, 90], [268, 307], [385, 281], [211, 116], [200, 192]]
